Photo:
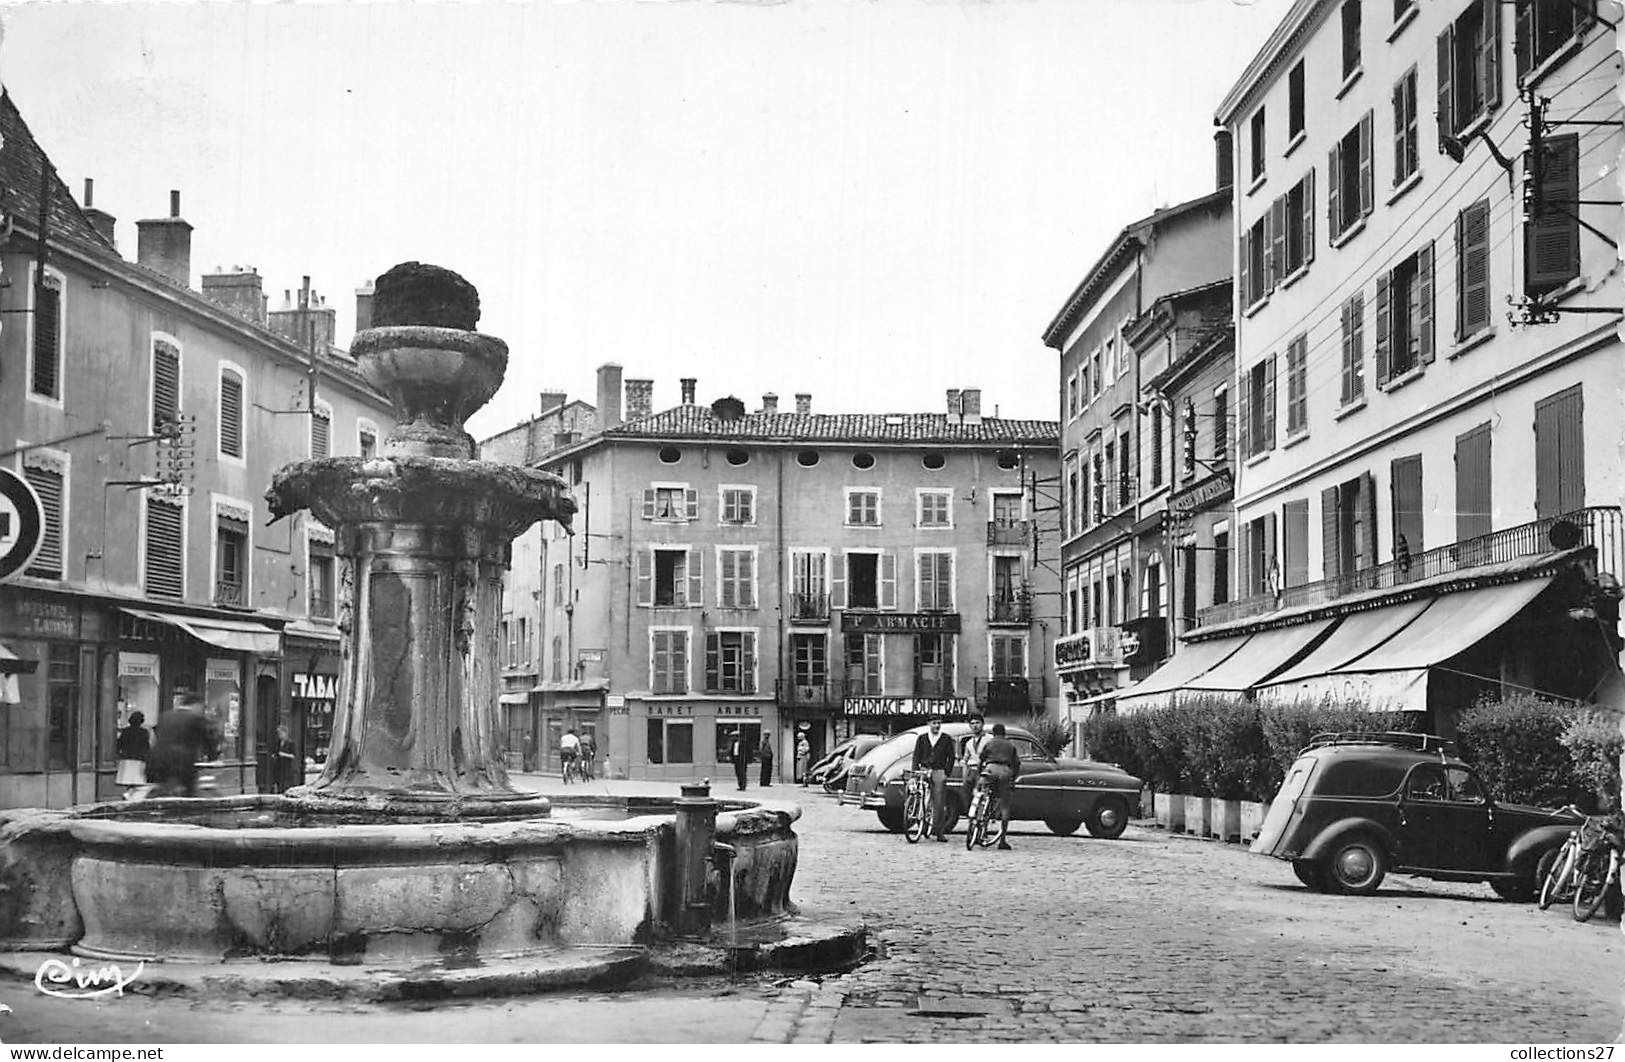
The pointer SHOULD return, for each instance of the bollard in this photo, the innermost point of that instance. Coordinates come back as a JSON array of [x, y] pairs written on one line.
[[696, 829]]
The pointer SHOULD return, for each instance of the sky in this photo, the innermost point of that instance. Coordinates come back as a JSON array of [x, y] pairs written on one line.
[[871, 201]]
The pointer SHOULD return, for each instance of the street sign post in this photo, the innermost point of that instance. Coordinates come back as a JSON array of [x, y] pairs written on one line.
[[22, 524]]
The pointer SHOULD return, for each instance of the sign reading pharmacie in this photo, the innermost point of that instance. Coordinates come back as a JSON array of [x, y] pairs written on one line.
[[900, 623], [947, 707]]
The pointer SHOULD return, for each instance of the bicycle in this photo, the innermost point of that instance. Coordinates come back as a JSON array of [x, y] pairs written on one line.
[[1558, 882], [981, 829], [919, 810], [1597, 870]]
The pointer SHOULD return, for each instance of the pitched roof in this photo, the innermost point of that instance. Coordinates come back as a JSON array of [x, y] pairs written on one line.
[[690, 422], [21, 162]]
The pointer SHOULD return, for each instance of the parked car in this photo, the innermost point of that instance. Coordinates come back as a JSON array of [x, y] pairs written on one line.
[[830, 772], [1061, 793], [1357, 806]]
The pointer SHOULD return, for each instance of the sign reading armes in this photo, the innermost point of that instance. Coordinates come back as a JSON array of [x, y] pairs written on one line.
[[22, 524], [900, 622]]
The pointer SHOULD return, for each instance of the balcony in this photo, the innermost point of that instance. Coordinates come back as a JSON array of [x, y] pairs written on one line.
[[1012, 608], [229, 593], [1007, 695], [826, 694], [1007, 532], [1599, 527], [809, 608]]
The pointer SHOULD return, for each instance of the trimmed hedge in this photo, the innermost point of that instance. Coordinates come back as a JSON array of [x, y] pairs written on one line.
[[1594, 745], [1516, 745]]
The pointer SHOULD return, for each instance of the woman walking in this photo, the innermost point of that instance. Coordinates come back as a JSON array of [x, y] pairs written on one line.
[[132, 748]]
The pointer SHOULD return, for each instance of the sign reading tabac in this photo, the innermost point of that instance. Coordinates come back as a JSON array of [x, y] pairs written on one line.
[[900, 622]]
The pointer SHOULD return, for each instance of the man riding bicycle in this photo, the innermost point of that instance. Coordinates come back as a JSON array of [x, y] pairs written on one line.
[[569, 746], [1001, 764], [972, 759]]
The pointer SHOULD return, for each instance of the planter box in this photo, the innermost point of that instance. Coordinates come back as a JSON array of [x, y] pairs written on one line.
[[1198, 815], [1170, 810], [1252, 819], [1148, 803], [1227, 820]]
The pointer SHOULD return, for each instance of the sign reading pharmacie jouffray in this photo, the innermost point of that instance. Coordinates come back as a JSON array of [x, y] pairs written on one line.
[[947, 707], [900, 622]]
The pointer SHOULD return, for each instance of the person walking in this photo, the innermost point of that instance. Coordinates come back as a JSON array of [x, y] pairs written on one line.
[[287, 763], [1002, 764], [569, 747], [133, 746], [766, 756], [934, 751], [738, 754], [183, 736], [588, 753], [803, 755]]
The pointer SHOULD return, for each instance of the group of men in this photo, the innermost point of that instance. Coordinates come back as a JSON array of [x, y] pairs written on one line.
[[993, 755], [572, 747]]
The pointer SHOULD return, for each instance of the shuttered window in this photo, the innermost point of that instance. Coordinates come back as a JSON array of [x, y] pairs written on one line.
[[46, 378], [231, 414], [1353, 314], [1295, 542], [1156, 445], [1552, 234], [1544, 26], [1473, 503], [668, 661], [1405, 316], [48, 484], [1473, 269], [164, 576], [1560, 453], [166, 384], [1469, 67], [1405, 489], [736, 578], [1297, 391], [231, 561], [321, 433], [934, 587], [1349, 192], [1406, 157], [730, 662]]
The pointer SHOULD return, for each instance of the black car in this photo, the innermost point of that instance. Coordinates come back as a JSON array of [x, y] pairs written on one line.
[[1354, 807]]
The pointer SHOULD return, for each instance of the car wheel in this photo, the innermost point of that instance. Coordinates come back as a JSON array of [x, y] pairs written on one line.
[[1309, 874], [1107, 819], [1063, 827], [891, 818], [1356, 866]]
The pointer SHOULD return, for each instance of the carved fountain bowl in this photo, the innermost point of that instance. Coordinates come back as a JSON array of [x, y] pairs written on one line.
[[431, 375]]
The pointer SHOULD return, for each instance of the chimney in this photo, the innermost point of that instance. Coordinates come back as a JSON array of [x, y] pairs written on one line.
[[803, 403], [551, 400], [688, 383], [100, 220], [770, 403], [954, 408], [609, 396], [639, 395], [238, 290], [970, 401], [164, 245], [1224, 160], [363, 308], [289, 322]]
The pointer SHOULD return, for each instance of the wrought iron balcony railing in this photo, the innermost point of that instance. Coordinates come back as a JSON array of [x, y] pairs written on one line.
[[229, 593], [828, 693], [1598, 526], [1014, 607], [1004, 531], [809, 608]]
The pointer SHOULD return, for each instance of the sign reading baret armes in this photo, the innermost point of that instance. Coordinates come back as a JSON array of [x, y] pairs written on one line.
[[22, 524]]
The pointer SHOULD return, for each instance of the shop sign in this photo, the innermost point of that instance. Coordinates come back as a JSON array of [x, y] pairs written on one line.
[[943, 706], [1215, 488], [22, 524], [671, 709], [138, 665], [590, 656], [739, 711], [900, 622], [315, 687], [53, 619], [616, 703]]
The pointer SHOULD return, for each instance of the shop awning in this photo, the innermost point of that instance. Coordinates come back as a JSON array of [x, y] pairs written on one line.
[[1452, 623], [12, 664], [1358, 634], [237, 636], [1264, 654], [1189, 663]]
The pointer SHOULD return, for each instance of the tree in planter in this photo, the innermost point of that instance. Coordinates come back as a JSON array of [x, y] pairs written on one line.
[[1594, 746], [1289, 727], [1515, 744], [1228, 753], [1108, 736], [1052, 735]]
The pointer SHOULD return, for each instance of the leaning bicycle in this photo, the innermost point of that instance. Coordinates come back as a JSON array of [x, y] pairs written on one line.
[[981, 828], [1557, 884], [918, 807], [1597, 870]]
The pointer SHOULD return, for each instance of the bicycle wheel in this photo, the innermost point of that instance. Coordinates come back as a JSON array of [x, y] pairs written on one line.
[[976, 822], [1559, 865], [913, 819], [1590, 882], [993, 832]]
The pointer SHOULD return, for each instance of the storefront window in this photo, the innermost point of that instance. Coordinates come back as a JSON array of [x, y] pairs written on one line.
[[138, 689], [750, 735], [670, 741], [62, 699], [313, 698], [223, 704]]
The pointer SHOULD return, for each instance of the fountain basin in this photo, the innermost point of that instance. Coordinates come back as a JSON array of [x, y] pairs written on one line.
[[271, 877]]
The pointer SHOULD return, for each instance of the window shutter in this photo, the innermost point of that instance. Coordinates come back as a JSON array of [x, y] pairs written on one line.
[[166, 386], [1473, 497], [1399, 131], [321, 429], [1472, 269], [1384, 326], [645, 577], [1272, 563], [945, 581], [1357, 319], [713, 650], [1246, 267], [747, 579], [1244, 417], [727, 572], [730, 507], [1269, 403], [231, 414], [1244, 559], [48, 485], [164, 555], [679, 661], [1309, 216], [837, 582], [1490, 53], [47, 333], [888, 580], [1447, 81], [1559, 454], [1367, 139], [696, 578], [1334, 191], [691, 504], [1295, 536], [1407, 503], [1277, 241], [1552, 238], [648, 503], [1424, 302], [1525, 36], [1328, 533], [873, 677], [747, 664], [1367, 515], [1346, 328]]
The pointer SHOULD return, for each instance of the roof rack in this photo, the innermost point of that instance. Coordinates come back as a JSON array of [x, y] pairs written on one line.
[[1397, 738]]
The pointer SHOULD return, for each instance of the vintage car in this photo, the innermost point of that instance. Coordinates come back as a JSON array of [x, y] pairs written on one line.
[[1062, 793], [1355, 806], [830, 772]]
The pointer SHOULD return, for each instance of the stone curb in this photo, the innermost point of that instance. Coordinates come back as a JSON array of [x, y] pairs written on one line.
[[805, 946]]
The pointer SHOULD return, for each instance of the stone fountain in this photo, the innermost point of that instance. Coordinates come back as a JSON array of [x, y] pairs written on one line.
[[412, 866]]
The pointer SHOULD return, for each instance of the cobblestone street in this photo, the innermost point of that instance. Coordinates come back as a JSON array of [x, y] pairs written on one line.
[[1146, 938]]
